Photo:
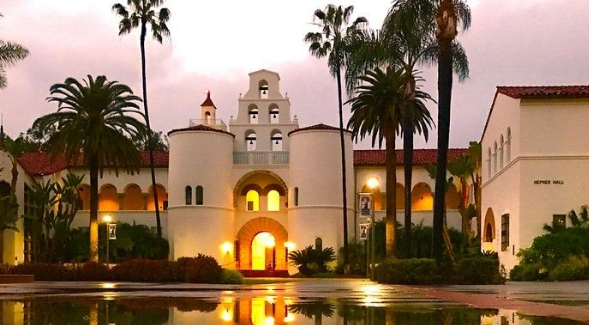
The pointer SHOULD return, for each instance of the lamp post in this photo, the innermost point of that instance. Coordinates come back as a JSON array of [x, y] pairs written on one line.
[[372, 184], [107, 219]]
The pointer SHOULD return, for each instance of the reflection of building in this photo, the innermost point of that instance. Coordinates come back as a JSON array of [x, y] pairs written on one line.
[[248, 191], [535, 162]]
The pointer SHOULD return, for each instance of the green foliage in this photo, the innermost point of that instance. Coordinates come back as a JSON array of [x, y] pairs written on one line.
[[559, 255], [310, 261], [43, 271], [481, 269], [408, 271], [231, 277], [141, 270], [199, 269], [357, 262]]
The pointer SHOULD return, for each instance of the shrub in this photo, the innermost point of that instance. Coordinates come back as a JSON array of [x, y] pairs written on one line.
[[231, 277], [408, 271], [199, 269], [482, 269], [89, 271], [43, 271], [310, 260], [527, 272], [139, 270], [576, 268]]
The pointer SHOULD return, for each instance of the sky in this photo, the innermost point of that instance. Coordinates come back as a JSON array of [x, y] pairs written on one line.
[[215, 44]]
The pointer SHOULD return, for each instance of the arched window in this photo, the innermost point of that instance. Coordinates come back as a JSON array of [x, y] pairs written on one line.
[[495, 158], [319, 244], [251, 141], [273, 200], [252, 199], [188, 194], [276, 140], [489, 163], [254, 114], [207, 118], [296, 196], [263, 87], [508, 146], [274, 115], [199, 195], [501, 145]]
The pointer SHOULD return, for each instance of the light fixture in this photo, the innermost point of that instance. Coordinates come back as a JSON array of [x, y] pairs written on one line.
[[372, 182], [226, 247]]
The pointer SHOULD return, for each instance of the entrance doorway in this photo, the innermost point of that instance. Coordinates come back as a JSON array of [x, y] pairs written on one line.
[[263, 252]]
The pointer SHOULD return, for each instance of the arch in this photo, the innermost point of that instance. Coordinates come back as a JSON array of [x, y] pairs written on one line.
[[400, 196], [188, 194], [276, 140], [263, 89], [273, 187], [252, 199], [250, 187], [508, 145], [133, 198], [84, 193], [422, 198], [274, 112], [452, 198], [108, 198], [247, 180], [200, 200], [501, 147], [162, 196], [253, 113], [251, 141], [489, 163], [250, 229], [489, 227], [273, 198], [495, 158]]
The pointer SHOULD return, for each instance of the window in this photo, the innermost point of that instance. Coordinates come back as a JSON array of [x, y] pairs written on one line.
[[296, 196], [501, 145], [199, 195], [273, 200], [188, 195], [251, 142], [504, 232], [254, 114], [276, 141], [319, 244], [508, 146], [495, 158], [253, 200], [274, 115], [263, 88], [489, 164], [559, 221]]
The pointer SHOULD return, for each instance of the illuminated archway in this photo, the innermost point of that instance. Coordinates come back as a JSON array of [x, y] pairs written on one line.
[[248, 242]]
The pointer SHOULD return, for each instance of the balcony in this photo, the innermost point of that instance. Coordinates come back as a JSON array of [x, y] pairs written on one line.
[[261, 158]]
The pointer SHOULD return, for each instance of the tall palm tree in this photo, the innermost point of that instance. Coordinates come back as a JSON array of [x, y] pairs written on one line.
[[140, 14], [10, 53], [449, 14], [94, 123], [333, 22], [376, 110]]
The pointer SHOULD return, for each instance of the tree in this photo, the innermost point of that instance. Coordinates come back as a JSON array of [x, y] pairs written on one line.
[[376, 110], [95, 124], [333, 22], [140, 14], [449, 14], [10, 53]]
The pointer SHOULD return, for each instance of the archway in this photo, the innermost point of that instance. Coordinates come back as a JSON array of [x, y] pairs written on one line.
[[263, 252], [255, 249]]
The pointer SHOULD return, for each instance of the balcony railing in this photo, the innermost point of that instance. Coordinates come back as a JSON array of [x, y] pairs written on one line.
[[260, 158]]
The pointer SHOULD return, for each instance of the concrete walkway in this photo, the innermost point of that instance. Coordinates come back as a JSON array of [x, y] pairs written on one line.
[[569, 300]]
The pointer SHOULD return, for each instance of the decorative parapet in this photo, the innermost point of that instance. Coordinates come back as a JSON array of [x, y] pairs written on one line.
[[261, 158]]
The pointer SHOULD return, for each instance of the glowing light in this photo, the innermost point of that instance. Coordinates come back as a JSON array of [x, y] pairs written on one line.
[[289, 318], [226, 315], [270, 241], [107, 218], [290, 245], [227, 247], [269, 320], [372, 182], [108, 285]]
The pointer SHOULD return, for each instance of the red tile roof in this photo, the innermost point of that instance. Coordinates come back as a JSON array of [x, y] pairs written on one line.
[[200, 127], [544, 91], [40, 163], [420, 156], [320, 126], [208, 101]]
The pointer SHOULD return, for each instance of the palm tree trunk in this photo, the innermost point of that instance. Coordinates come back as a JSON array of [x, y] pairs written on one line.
[[391, 188], [93, 211], [408, 175], [444, 103], [149, 140], [344, 183]]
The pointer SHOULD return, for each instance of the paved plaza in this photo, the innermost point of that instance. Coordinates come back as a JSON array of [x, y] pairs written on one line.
[[569, 300]]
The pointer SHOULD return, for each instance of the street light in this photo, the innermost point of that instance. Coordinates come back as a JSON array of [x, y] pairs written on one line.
[[372, 184], [110, 234]]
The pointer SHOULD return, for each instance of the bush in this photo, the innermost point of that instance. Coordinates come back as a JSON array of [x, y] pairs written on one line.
[[199, 269], [231, 277], [408, 271], [310, 260], [527, 272], [482, 269], [576, 268], [43, 271], [138, 270], [90, 271]]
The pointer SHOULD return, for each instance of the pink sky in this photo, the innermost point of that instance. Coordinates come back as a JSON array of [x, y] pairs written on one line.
[[511, 42]]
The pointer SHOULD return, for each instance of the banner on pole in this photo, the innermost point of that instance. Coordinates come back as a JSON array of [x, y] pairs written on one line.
[[112, 231], [364, 231], [365, 204]]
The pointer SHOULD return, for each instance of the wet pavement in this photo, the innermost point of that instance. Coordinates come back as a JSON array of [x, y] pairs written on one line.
[[568, 300]]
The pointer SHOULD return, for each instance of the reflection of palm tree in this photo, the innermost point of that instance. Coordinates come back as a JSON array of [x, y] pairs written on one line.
[[93, 122], [143, 14], [330, 42], [315, 309]]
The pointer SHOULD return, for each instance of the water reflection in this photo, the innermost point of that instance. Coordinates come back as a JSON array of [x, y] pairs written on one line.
[[263, 310]]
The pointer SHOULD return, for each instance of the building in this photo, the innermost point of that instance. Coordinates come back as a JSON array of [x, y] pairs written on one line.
[[535, 161], [249, 191]]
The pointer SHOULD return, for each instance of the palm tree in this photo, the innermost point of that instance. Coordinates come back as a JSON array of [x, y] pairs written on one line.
[[94, 124], [333, 22], [140, 14], [376, 110], [449, 14], [10, 53]]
